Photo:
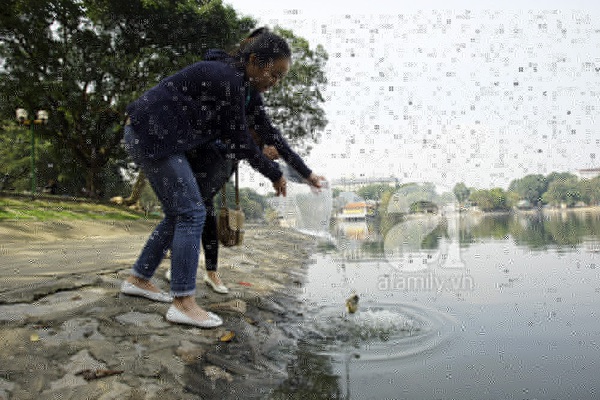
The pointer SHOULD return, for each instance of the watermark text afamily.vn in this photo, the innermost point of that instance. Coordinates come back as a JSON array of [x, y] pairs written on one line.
[[427, 281]]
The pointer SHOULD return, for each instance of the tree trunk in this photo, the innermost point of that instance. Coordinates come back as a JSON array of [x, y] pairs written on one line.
[[92, 186], [136, 192]]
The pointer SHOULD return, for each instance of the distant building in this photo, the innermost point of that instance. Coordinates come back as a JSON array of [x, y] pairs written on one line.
[[524, 205], [357, 211], [589, 173], [352, 184], [344, 198]]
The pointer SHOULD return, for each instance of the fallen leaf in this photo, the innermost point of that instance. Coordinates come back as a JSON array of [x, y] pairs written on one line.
[[227, 337], [245, 283], [34, 337], [250, 321], [76, 297]]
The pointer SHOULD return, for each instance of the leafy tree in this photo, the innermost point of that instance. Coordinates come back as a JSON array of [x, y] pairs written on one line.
[[424, 207], [490, 200], [564, 190], [252, 203], [500, 199], [84, 61], [15, 151], [410, 193], [374, 191], [294, 105], [396, 204], [560, 176], [530, 188], [590, 190], [15, 159], [512, 199], [461, 191]]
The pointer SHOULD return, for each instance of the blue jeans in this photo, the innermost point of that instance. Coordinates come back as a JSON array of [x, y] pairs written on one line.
[[181, 230]]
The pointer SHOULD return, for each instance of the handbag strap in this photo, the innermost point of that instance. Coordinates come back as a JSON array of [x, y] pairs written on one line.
[[237, 190], [237, 187]]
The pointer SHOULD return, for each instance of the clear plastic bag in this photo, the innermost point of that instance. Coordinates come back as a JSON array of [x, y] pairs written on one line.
[[305, 208]]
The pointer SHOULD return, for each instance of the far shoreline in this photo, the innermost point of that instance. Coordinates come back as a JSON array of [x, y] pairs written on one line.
[[550, 210]]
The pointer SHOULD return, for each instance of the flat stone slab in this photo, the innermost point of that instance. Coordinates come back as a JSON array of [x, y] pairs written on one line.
[[143, 320], [52, 305], [71, 330]]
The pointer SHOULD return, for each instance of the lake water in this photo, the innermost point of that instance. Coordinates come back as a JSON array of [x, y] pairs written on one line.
[[476, 307]]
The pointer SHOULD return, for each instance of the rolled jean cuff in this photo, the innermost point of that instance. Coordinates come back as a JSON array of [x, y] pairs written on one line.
[[184, 293], [138, 274]]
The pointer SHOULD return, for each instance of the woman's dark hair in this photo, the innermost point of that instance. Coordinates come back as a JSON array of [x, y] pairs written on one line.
[[265, 45]]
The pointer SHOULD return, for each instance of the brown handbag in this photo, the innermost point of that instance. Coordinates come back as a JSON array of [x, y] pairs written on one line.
[[230, 223]]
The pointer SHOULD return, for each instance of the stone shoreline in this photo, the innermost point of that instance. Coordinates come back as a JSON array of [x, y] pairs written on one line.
[[68, 333]]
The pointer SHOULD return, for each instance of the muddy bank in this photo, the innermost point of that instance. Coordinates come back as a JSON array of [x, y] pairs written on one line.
[[66, 332]]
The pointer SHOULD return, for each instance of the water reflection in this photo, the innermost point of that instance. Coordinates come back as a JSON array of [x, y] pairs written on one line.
[[358, 239], [561, 230], [533, 306]]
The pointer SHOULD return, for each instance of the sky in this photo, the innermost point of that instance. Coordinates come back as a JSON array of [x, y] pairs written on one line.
[[450, 91]]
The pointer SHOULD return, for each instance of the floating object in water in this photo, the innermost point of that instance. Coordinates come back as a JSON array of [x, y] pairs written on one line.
[[352, 303]]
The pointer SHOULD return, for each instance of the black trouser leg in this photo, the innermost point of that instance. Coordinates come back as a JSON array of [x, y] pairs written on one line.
[[210, 242], [211, 170]]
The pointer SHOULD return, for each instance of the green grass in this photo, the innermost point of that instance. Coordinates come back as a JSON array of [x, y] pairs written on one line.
[[42, 210]]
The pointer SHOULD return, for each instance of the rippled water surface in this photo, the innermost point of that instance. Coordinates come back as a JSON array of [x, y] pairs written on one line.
[[514, 316]]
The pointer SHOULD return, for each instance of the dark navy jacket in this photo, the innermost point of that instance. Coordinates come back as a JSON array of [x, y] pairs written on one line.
[[201, 103], [260, 122]]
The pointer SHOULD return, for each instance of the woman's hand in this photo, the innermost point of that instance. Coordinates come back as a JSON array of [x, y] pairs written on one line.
[[316, 180], [271, 152], [280, 186]]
